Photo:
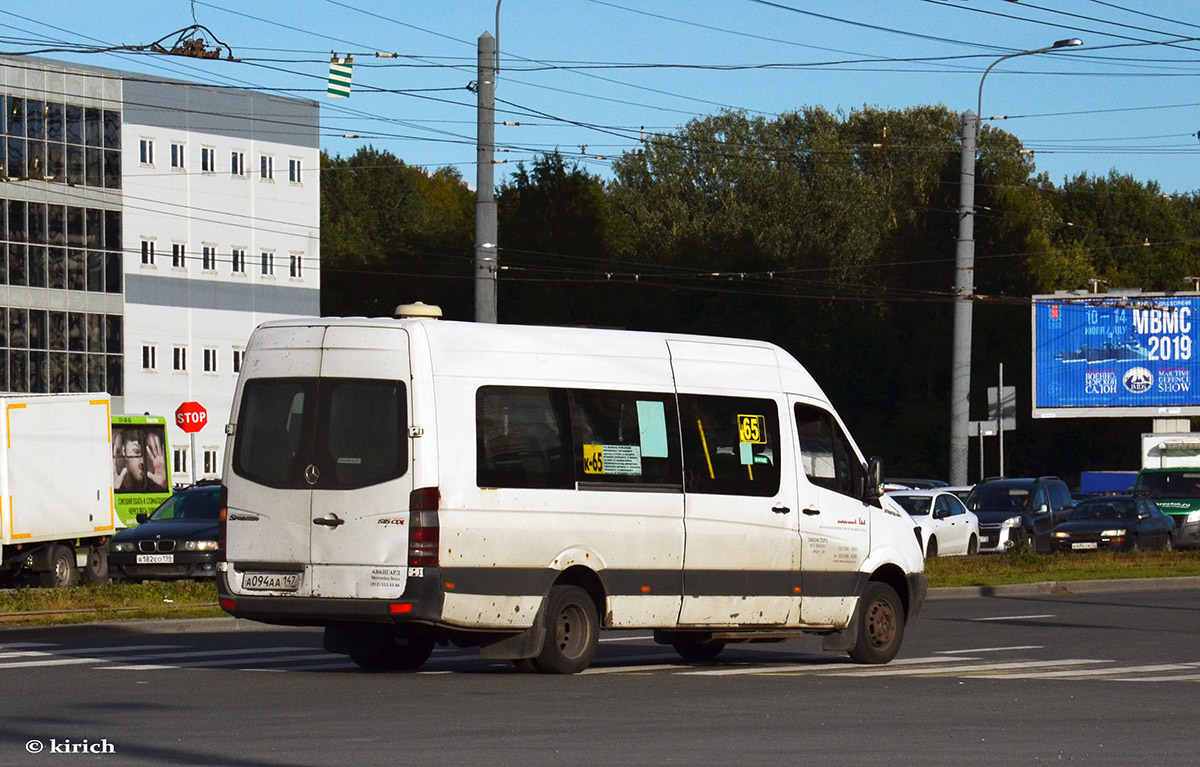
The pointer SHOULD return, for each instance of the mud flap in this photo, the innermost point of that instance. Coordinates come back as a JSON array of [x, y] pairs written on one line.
[[843, 641], [527, 644]]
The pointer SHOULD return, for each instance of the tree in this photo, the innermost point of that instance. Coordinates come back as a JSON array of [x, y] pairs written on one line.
[[556, 227], [392, 233]]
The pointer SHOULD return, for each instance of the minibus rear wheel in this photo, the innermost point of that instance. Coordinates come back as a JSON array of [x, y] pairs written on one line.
[[880, 624], [572, 632], [395, 652], [698, 651]]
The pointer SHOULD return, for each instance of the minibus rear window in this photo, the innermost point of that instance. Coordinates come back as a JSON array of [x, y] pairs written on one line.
[[323, 434]]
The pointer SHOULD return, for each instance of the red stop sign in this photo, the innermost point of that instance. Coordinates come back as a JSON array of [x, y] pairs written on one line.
[[191, 417]]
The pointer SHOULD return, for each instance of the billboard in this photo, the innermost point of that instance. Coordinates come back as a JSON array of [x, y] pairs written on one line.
[[1105, 355]]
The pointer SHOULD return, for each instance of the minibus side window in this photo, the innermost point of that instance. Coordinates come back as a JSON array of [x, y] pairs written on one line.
[[825, 452], [520, 435], [625, 438], [730, 445]]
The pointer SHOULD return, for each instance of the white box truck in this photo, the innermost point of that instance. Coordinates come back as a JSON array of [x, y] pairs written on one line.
[[56, 492], [410, 482]]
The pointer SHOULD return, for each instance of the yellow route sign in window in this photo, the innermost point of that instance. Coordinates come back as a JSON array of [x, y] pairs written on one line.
[[593, 459], [752, 429]]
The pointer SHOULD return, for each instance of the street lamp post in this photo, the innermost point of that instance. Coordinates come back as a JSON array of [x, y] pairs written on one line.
[[964, 279]]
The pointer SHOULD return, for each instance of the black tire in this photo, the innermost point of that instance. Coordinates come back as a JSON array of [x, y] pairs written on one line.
[[395, 653], [96, 570], [880, 625], [931, 549], [698, 651], [572, 632], [63, 572], [973, 545]]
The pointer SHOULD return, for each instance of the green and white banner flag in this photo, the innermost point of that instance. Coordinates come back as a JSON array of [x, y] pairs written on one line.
[[339, 77]]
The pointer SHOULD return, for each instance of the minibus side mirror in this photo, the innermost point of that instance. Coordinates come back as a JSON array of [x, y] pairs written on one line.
[[874, 488]]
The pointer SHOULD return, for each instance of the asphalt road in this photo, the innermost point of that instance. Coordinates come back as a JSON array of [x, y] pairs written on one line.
[[1093, 678]]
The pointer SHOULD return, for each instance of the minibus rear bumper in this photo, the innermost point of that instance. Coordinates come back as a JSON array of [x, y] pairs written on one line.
[[421, 602]]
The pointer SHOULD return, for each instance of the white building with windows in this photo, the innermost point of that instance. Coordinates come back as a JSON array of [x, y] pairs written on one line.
[[147, 227]]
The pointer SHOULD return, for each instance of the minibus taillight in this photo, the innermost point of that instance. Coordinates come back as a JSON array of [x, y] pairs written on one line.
[[423, 527], [222, 524]]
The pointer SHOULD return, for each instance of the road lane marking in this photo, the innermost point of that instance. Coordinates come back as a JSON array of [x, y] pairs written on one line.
[[629, 669], [1097, 672], [1014, 617], [828, 668], [624, 639], [251, 661], [991, 649], [55, 659], [973, 668]]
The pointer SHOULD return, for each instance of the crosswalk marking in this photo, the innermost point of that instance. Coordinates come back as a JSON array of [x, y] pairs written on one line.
[[956, 663]]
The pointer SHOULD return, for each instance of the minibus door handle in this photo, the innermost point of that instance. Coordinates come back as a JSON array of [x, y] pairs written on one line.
[[780, 509], [329, 520], [812, 512]]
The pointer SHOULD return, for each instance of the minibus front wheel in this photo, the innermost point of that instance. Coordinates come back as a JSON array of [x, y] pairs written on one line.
[[880, 624]]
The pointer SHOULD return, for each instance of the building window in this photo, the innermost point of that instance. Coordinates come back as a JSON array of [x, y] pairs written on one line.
[[208, 258], [237, 163], [210, 461], [297, 266], [149, 357], [266, 167], [148, 252], [210, 360], [180, 360], [208, 159], [268, 263], [239, 260], [237, 360], [179, 461], [294, 171], [179, 255], [147, 151], [177, 153]]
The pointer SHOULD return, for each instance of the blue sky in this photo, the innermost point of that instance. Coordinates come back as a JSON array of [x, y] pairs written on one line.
[[585, 76]]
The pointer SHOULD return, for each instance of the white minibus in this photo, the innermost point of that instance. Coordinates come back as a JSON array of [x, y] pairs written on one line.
[[411, 482]]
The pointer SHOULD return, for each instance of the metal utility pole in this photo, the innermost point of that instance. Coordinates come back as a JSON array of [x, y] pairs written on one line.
[[486, 261], [964, 279], [964, 290]]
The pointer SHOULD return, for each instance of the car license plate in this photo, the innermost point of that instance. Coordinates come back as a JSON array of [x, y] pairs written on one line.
[[1090, 545], [156, 559], [271, 581]]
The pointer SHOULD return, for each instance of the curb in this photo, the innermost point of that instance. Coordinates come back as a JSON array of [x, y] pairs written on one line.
[[1066, 588]]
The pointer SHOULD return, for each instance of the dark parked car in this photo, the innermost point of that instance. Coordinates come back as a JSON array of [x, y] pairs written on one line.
[[1120, 522], [1013, 510], [914, 484], [178, 540]]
